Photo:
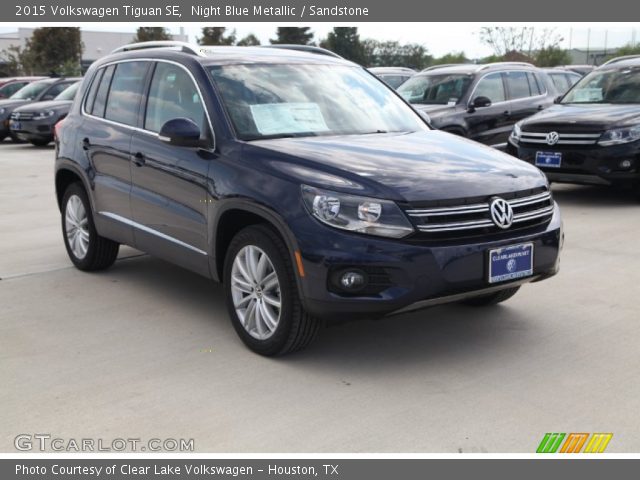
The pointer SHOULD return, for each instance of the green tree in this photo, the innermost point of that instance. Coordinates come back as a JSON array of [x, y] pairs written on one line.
[[394, 54], [551, 57], [53, 50], [216, 36], [248, 41], [17, 61], [454, 57], [525, 40], [345, 41], [148, 34], [628, 49], [293, 36]]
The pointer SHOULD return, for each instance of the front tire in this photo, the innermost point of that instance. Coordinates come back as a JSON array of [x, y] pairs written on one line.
[[492, 298], [262, 294], [40, 142], [87, 250]]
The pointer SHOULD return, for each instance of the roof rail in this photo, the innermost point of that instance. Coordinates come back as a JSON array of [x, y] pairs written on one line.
[[305, 48], [442, 65], [506, 64], [183, 46], [620, 59]]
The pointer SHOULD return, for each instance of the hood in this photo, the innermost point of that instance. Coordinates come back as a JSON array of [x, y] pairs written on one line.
[[415, 167], [48, 105], [10, 104], [586, 117]]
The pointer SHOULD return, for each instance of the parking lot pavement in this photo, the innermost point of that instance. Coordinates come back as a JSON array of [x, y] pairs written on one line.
[[145, 350]]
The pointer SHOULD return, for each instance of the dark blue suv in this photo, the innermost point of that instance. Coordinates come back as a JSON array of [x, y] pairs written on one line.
[[299, 180]]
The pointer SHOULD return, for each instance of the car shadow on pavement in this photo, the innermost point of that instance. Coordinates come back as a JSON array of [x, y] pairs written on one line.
[[594, 196], [454, 333]]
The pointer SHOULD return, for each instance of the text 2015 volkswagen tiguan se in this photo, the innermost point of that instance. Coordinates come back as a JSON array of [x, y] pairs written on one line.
[[302, 182]]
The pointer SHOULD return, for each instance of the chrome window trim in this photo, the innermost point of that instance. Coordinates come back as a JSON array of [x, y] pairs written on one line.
[[151, 231], [143, 130]]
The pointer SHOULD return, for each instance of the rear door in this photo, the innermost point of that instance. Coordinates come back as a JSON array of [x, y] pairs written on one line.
[[169, 183], [111, 109], [490, 125]]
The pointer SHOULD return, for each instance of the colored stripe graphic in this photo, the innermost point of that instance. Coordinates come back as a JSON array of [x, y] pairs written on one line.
[[574, 443], [550, 443], [598, 443]]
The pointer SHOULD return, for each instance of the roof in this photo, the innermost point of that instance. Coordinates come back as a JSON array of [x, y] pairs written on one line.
[[471, 68], [227, 55], [621, 62], [381, 70]]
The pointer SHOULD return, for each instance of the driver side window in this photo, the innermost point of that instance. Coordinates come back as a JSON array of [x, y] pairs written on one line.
[[173, 95], [492, 87]]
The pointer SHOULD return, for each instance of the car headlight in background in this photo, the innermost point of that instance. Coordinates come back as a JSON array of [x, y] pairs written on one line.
[[45, 114], [2, 110], [620, 135], [354, 213], [515, 133]]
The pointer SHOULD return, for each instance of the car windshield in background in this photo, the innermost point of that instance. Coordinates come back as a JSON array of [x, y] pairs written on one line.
[[29, 92], [271, 101], [435, 89], [69, 93], [609, 86]]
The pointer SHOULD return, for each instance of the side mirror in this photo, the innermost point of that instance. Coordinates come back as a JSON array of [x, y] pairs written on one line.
[[557, 99], [481, 102], [48, 97], [425, 116], [181, 132]]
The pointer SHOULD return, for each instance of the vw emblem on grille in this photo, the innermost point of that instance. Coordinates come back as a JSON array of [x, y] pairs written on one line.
[[511, 265], [552, 138], [501, 212]]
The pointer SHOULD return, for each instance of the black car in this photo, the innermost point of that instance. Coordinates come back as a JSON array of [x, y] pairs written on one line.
[[480, 102], [34, 122], [592, 135], [39, 91], [393, 76], [310, 200]]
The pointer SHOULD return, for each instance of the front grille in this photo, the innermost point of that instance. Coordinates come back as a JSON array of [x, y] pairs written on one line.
[[563, 138], [463, 220], [22, 116]]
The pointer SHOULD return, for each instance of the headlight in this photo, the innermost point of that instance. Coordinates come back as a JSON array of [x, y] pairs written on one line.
[[2, 110], [46, 114], [620, 135], [357, 214], [515, 133]]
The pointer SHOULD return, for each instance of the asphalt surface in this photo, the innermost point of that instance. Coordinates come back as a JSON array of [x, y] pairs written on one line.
[[145, 350]]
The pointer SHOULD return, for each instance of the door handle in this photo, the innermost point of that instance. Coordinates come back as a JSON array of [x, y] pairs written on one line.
[[540, 107], [86, 143], [506, 113], [139, 159]]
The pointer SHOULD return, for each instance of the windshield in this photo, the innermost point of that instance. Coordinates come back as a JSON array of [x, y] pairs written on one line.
[[440, 89], [609, 86], [69, 93], [271, 101], [31, 91]]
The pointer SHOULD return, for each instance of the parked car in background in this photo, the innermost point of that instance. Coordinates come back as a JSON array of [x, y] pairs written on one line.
[[480, 102], [305, 185], [37, 91], [393, 76], [10, 85], [592, 135], [34, 122], [562, 78], [579, 69]]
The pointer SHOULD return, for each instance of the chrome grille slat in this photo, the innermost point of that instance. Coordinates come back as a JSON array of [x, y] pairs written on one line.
[[429, 220], [563, 138]]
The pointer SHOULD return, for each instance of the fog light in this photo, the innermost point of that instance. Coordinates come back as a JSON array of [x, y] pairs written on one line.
[[353, 280], [626, 164]]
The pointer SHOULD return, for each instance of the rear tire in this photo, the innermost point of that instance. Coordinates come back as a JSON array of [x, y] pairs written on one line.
[[492, 298], [262, 294], [87, 250]]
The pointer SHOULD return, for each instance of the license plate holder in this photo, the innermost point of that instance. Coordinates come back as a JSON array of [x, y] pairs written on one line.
[[549, 159], [510, 263]]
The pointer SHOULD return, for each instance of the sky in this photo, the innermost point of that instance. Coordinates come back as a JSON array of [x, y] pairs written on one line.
[[439, 38]]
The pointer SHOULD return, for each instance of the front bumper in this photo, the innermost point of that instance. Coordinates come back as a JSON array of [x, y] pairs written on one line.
[[420, 275], [29, 130], [587, 165]]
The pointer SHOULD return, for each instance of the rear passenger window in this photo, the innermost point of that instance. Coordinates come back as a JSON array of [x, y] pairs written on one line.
[[103, 90], [491, 87], [518, 85], [172, 95], [535, 84], [125, 92], [57, 89]]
